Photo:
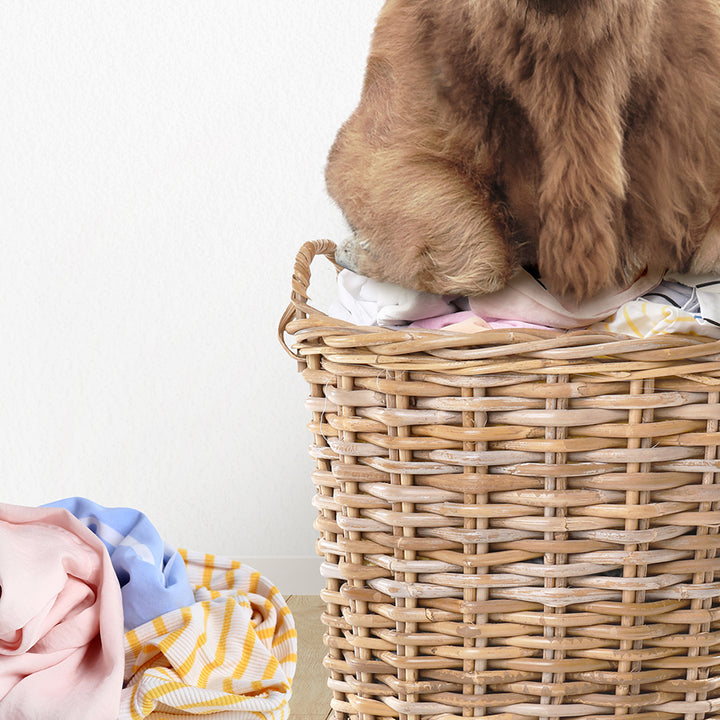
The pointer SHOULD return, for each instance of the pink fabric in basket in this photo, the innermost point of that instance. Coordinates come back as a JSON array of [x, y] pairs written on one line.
[[61, 622], [527, 299]]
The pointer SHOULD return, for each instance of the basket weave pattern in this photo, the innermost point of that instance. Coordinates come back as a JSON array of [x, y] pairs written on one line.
[[515, 524]]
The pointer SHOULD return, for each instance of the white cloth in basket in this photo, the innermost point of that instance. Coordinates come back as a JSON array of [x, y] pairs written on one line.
[[526, 298], [683, 304], [523, 302], [364, 301]]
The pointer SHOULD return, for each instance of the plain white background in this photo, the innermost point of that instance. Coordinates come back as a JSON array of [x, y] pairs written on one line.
[[160, 165]]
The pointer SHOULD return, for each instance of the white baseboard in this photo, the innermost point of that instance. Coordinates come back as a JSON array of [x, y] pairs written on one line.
[[290, 575]]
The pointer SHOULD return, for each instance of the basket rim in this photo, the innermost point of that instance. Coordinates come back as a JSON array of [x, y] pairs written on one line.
[[312, 328]]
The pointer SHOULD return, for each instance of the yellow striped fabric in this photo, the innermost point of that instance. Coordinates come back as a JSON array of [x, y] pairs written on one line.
[[231, 655], [644, 319]]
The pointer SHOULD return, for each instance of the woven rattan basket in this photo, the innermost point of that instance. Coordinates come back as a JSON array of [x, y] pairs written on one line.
[[515, 524]]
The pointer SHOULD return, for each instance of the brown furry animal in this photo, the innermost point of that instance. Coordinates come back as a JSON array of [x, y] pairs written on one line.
[[579, 135]]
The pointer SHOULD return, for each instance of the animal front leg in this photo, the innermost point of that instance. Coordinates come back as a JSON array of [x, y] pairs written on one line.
[[578, 244], [421, 223], [707, 257], [580, 205], [576, 113]]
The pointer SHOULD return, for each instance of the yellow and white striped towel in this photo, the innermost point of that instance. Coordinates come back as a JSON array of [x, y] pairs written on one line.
[[644, 319], [231, 655]]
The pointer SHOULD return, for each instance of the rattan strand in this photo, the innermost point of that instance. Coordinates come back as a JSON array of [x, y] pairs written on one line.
[[515, 524]]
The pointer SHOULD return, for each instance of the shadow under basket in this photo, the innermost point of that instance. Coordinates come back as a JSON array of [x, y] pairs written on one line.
[[515, 524]]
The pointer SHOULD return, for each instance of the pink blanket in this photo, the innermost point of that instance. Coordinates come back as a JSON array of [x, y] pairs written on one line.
[[61, 622]]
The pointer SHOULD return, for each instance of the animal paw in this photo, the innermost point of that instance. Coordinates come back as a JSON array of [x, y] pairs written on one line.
[[350, 252]]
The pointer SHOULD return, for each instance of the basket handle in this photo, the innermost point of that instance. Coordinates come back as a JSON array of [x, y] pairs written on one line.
[[299, 301]]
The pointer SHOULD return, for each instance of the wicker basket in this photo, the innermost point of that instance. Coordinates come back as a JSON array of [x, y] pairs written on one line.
[[515, 524]]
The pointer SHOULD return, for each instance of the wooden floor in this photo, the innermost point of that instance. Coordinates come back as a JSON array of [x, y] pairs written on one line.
[[310, 695]]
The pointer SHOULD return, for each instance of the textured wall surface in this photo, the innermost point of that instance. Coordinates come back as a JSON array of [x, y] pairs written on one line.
[[160, 165]]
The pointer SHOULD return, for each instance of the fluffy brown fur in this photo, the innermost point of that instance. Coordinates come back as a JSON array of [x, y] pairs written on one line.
[[581, 135]]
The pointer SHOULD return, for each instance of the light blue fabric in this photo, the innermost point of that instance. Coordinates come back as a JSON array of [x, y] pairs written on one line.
[[152, 575]]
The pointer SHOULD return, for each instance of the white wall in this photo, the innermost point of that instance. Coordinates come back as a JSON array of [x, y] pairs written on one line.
[[160, 164]]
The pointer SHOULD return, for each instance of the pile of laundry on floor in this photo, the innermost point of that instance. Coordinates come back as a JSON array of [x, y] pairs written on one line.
[[652, 305], [101, 620]]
